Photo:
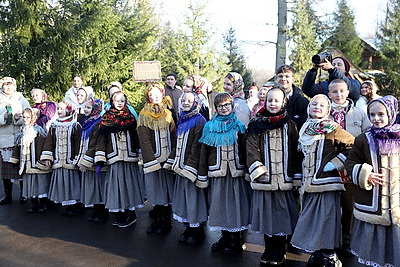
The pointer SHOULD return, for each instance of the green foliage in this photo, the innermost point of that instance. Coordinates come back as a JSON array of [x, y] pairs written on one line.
[[389, 40], [235, 58], [303, 36], [344, 35]]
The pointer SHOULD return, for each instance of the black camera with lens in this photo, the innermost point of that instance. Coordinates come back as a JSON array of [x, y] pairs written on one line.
[[320, 58]]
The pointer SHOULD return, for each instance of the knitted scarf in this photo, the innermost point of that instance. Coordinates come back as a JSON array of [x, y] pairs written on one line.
[[386, 139], [222, 130], [156, 116]]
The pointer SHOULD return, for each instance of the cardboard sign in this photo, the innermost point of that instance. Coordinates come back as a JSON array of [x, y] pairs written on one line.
[[147, 71]]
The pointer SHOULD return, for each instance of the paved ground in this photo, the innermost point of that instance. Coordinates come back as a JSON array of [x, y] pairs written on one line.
[[52, 239]]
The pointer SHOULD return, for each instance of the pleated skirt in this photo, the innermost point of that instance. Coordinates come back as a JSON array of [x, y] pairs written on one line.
[[319, 223], [123, 186], [229, 203], [36, 184], [65, 186], [376, 245], [273, 212], [189, 202], [159, 187], [93, 188]]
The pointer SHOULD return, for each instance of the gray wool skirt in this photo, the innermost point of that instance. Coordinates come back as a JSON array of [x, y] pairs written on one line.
[[319, 223], [93, 188], [273, 212], [159, 187], [123, 187], [36, 184], [375, 244], [229, 203], [189, 202], [65, 186]]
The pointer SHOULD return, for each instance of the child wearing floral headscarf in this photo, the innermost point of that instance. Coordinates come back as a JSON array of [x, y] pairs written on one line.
[[373, 164], [60, 152], [189, 201], [198, 85], [222, 169], [233, 85], [118, 147], [275, 167], [323, 143], [27, 153], [93, 186], [156, 130], [47, 108]]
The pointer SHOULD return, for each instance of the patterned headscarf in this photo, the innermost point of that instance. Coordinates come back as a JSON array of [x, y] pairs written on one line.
[[94, 117], [387, 139], [69, 112], [238, 84], [34, 115], [265, 120], [191, 118], [115, 120], [316, 129]]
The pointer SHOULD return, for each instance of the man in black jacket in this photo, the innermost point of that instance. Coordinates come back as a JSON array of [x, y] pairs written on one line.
[[297, 103]]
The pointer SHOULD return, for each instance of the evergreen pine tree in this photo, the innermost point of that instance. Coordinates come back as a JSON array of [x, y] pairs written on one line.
[[303, 36]]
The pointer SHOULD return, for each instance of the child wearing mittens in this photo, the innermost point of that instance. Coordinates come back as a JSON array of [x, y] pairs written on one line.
[[275, 167], [373, 164], [324, 145], [189, 201], [93, 186], [118, 147], [27, 154], [60, 152], [222, 169], [156, 130]]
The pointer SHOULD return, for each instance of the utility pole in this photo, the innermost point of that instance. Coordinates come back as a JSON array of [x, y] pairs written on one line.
[[282, 34]]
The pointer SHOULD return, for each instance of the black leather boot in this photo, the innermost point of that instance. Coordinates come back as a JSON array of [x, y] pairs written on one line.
[[22, 199], [236, 244], [223, 241], [34, 205], [7, 199], [196, 236], [43, 205], [165, 225], [266, 257], [278, 251]]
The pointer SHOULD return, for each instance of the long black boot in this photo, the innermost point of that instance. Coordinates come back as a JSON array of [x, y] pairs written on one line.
[[185, 235], [43, 204], [196, 236], [165, 225], [279, 250], [22, 199], [7, 199], [223, 241], [34, 205], [236, 244], [267, 255], [102, 214]]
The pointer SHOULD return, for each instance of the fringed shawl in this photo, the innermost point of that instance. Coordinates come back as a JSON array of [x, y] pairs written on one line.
[[156, 116], [222, 130]]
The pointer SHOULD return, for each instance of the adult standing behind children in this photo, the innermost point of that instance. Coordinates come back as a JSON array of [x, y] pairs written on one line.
[[355, 121], [12, 103], [71, 96], [339, 68], [297, 103], [173, 91]]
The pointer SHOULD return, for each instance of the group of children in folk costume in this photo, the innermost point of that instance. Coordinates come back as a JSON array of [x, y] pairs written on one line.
[[215, 158]]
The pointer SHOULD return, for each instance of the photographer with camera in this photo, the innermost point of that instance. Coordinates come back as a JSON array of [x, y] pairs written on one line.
[[338, 68]]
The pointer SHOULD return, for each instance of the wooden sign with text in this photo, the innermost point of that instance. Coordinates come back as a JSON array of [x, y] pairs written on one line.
[[147, 71]]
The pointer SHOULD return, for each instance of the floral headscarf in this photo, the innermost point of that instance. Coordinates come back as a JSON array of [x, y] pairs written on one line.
[[115, 120], [191, 118], [387, 139], [238, 84], [69, 112], [316, 129], [94, 117]]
